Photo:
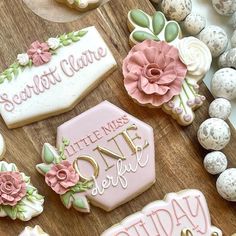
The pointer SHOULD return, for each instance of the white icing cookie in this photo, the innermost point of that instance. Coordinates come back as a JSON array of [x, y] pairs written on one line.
[[36, 231], [81, 5], [52, 77], [182, 214], [2, 147]]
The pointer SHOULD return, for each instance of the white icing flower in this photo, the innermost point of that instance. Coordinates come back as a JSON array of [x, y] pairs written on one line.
[[36, 231], [83, 3], [53, 43], [196, 56], [23, 59]]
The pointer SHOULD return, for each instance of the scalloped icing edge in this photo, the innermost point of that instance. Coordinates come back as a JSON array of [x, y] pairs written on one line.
[[168, 197]]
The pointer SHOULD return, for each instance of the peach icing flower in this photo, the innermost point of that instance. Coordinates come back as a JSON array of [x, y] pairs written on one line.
[[39, 53], [12, 188], [61, 177], [153, 72]]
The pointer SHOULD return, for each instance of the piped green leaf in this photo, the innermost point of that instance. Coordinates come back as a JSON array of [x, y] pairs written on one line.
[[158, 22], [66, 199], [140, 18], [10, 211], [48, 154], [79, 203], [140, 36], [171, 31], [3, 167], [43, 168]]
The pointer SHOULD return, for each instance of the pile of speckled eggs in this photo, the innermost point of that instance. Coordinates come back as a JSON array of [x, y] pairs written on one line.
[[214, 133]]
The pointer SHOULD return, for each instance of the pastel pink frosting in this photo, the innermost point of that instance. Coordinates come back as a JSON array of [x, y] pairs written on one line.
[[39, 53], [153, 72], [62, 177], [12, 188]]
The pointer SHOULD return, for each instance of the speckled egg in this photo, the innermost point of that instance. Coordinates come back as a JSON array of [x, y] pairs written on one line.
[[220, 108], [177, 9], [194, 23], [231, 58], [233, 40], [215, 162], [222, 62], [233, 20], [223, 83], [224, 7], [215, 38], [226, 184], [214, 134]]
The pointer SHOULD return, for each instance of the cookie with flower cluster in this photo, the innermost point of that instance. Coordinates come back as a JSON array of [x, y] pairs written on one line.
[[53, 76], [81, 5], [162, 69], [19, 199]]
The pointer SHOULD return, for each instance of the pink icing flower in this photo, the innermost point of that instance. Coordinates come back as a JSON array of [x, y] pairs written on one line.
[[12, 188], [39, 53], [61, 177], [153, 72]]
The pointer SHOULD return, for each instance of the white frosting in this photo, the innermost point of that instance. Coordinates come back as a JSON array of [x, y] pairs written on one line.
[[23, 59], [82, 3], [53, 43], [36, 231], [2, 147], [196, 56]]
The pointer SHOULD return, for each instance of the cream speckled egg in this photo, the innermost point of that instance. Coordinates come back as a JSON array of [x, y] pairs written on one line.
[[223, 83], [177, 9], [233, 20], [233, 40], [214, 134], [224, 7], [220, 108], [231, 58], [226, 184], [194, 23], [215, 162], [215, 38], [222, 62]]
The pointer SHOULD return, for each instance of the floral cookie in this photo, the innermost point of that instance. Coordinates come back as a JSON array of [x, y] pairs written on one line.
[[100, 155], [19, 199], [81, 5], [52, 77], [165, 74], [179, 214]]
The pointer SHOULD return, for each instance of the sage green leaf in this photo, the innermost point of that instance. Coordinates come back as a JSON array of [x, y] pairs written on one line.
[[79, 203], [10, 211], [158, 22], [66, 199], [43, 168], [140, 18], [81, 33], [171, 31], [140, 36], [48, 155], [3, 167]]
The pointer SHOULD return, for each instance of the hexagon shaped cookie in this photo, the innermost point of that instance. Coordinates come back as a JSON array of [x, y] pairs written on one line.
[[108, 155]]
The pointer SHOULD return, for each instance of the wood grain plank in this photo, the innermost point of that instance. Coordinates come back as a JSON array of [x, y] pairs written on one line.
[[178, 154]]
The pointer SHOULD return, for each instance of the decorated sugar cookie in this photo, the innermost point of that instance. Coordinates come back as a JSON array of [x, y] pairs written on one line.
[[179, 214], [19, 199], [81, 5], [2, 147], [164, 70], [52, 77], [100, 155], [36, 231]]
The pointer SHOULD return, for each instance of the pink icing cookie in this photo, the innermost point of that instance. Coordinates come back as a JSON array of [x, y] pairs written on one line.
[[182, 214], [99, 157]]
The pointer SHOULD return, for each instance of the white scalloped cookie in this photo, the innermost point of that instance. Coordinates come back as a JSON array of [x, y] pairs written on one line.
[[81, 5]]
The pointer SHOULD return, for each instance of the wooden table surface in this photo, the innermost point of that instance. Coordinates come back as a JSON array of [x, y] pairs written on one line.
[[178, 154]]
